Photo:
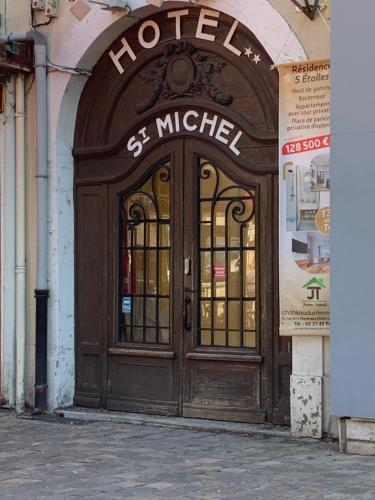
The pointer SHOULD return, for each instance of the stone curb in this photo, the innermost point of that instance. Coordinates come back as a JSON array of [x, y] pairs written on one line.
[[254, 430]]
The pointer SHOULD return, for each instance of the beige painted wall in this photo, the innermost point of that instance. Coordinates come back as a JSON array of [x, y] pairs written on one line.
[[15, 15], [314, 35]]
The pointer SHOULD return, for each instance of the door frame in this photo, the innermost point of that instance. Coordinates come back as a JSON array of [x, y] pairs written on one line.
[[136, 176]]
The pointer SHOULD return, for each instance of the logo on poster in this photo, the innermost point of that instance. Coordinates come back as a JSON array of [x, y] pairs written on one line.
[[314, 286]]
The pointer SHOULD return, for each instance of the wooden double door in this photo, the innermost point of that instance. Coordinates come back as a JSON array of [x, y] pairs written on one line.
[[192, 298]]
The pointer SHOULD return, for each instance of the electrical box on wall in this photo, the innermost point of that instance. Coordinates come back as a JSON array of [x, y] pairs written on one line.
[[38, 4], [51, 8]]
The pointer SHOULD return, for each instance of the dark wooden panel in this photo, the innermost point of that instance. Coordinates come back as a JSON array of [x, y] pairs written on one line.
[[91, 292], [225, 385], [282, 345], [230, 358], [87, 400], [143, 406], [142, 353], [140, 378], [218, 413]]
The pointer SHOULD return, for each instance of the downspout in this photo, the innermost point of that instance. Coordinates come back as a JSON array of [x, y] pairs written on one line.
[[41, 291], [20, 243]]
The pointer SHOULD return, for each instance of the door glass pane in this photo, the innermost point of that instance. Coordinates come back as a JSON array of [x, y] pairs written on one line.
[[219, 272], [227, 224], [249, 272], [205, 337], [234, 275], [250, 339], [205, 314], [249, 315], [234, 315], [164, 312], [164, 272], [205, 235], [235, 339], [164, 236], [220, 314], [219, 338], [206, 274], [144, 284], [249, 234]]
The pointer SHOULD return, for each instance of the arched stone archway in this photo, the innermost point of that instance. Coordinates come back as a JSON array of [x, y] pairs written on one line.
[[176, 151], [82, 46]]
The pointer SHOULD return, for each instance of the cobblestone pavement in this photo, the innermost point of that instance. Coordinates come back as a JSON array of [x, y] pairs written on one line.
[[60, 459]]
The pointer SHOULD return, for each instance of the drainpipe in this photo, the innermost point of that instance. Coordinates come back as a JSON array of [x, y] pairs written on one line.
[[41, 291], [20, 244]]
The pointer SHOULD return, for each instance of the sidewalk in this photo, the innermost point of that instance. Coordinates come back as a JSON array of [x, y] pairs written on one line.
[[62, 459]]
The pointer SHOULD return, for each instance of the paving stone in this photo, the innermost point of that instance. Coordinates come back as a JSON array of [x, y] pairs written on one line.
[[46, 458]]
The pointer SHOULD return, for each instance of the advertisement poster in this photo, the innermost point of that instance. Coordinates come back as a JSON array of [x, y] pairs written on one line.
[[304, 198]]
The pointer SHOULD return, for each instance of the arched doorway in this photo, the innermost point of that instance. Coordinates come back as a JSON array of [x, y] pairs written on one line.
[[176, 225]]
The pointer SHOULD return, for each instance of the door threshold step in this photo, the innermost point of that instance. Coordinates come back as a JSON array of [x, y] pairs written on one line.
[[197, 424]]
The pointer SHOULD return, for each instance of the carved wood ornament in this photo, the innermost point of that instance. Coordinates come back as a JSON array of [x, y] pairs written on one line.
[[183, 72]]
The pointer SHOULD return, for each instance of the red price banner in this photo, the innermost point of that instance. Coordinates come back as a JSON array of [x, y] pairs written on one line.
[[303, 145]]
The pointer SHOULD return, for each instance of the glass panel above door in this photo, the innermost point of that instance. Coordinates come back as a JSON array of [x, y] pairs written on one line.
[[144, 281], [227, 260]]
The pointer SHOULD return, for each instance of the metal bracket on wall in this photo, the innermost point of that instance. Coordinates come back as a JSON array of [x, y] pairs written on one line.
[[310, 8]]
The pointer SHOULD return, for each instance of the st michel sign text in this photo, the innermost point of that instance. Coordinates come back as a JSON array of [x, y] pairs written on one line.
[[149, 36]]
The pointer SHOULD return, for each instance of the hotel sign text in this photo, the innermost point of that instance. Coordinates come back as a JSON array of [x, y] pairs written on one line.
[[198, 122], [149, 34]]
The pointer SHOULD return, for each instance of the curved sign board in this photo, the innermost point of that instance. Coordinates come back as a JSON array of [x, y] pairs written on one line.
[[187, 72]]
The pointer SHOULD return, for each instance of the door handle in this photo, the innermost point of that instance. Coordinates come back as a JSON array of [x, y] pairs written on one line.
[[187, 312]]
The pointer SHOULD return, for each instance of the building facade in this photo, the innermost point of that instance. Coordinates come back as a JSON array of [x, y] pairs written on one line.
[[161, 215]]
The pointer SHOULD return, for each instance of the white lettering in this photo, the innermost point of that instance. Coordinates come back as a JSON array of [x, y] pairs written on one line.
[[233, 144], [207, 121], [146, 137], [177, 121], [177, 14], [155, 40], [224, 128], [192, 120], [203, 21], [116, 57], [133, 144], [190, 128], [229, 38], [163, 124]]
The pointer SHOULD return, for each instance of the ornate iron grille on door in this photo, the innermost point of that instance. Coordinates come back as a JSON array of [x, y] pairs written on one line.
[[227, 224], [144, 298]]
